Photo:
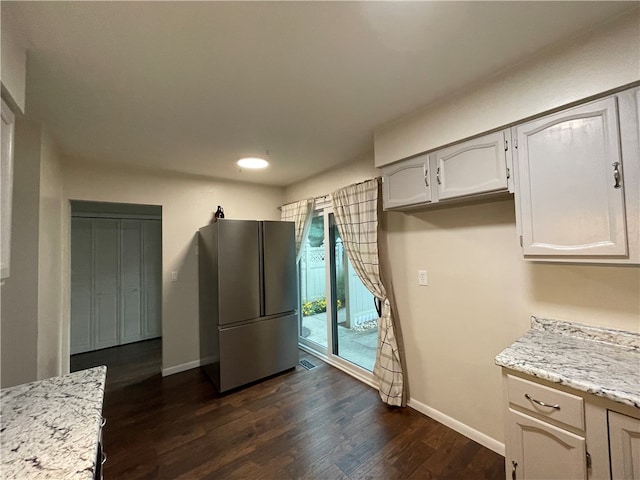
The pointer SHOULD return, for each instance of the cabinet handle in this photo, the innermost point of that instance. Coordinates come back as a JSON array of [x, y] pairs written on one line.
[[104, 458], [616, 174], [438, 176], [542, 404], [426, 177], [103, 422], [513, 470]]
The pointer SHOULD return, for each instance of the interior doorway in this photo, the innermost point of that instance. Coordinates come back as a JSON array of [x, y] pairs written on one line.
[[116, 280]]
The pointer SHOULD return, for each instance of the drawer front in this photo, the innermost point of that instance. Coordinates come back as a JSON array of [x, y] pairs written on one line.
[[560, 406]]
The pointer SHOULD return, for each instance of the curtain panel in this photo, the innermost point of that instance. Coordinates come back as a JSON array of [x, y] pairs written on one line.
[[300, 213], [355, 208]]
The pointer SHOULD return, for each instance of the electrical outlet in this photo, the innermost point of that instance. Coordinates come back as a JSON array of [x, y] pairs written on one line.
[[422, 278]]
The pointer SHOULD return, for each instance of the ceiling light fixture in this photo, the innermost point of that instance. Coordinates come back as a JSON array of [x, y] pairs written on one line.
[[253, 162]]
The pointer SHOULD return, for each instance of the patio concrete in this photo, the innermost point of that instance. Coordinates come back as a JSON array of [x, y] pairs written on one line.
[[356, 347]]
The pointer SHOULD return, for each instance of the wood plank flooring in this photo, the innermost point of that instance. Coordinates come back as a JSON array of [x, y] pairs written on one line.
[[302, 424]]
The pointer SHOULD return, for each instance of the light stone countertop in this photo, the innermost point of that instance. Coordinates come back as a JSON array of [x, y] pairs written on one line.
[[603, 362], [50, 428]]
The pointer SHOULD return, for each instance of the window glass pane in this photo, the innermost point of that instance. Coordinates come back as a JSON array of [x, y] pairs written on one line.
[[357, 319], [313, 287]]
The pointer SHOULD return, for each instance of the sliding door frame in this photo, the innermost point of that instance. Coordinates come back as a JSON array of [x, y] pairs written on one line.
[[325, 209]]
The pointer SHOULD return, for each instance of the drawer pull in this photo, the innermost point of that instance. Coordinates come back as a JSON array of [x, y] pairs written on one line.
[[542, 404]]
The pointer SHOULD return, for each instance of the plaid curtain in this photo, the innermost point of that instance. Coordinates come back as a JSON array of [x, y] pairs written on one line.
[[299, 213], [356, 212]]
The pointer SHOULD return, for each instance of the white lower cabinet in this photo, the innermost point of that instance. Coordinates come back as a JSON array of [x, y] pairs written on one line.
[[541, 450], [115, 282], [624, 441], [559, 433], [545, 433]]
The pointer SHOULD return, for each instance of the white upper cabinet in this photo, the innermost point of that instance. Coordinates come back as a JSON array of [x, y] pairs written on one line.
[[572, 170], [406, 183], [477, 166]]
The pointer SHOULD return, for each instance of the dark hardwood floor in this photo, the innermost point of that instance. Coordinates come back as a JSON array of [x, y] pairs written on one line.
[[303, 424]]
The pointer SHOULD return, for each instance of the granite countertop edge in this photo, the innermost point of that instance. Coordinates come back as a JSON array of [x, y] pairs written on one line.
[[599, 361], [50, 428]]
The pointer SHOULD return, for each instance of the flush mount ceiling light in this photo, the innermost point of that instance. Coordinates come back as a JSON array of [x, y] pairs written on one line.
[[253, 162]]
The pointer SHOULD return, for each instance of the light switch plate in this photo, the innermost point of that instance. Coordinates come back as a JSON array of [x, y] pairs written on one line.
[[422, 278]]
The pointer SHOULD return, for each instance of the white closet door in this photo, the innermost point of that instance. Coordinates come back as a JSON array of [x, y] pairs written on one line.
[[106, 263], [130, 281], [81, 284], [152, 277]]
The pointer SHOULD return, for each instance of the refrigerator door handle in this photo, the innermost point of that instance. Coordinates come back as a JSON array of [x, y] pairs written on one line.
[[261, 267]]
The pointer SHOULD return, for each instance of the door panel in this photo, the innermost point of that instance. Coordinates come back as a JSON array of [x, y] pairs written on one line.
[[473, 167], [106, 242], [151, 278], [568, 202], [280, 292], [130, 281], [544, 451], [238, 271], [81, 284], [406, 183], [624, 435]]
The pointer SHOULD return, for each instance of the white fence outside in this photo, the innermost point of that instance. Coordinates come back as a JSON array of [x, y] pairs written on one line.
[[359, 306]]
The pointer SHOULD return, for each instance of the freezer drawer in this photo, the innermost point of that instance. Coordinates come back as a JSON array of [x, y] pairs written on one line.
[[256, 350]]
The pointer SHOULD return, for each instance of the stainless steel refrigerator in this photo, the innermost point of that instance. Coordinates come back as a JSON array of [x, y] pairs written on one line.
[[248, 300]]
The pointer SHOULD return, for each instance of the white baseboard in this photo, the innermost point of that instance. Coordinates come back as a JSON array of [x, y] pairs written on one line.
[[183, 367], [466, 430]]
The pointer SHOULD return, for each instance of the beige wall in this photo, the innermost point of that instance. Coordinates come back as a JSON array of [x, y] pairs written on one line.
[[33, 296], [480, 297], [14, 61], [325, 183], [605, 58], [187, 204], [50, 256], [19, 296], [481, 292]]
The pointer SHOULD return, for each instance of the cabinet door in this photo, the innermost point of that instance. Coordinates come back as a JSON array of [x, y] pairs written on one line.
[[106, 265], [130, 281], [152, 277], [539, 450], [473, 167], [570, 202], [624, 446], [81, 284], [406, 183]]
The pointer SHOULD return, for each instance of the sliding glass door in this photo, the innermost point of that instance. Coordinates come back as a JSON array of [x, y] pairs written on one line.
[[339, 317], [355, 325]]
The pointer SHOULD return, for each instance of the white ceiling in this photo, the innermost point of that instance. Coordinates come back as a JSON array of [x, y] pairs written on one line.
[[192, 86]]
